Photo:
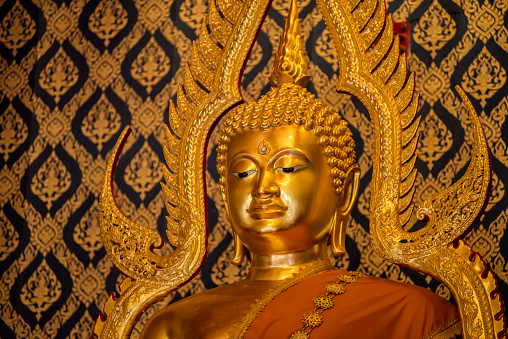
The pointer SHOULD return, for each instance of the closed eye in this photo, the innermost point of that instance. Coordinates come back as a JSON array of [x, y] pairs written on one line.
[[288, 170], [242, 175]]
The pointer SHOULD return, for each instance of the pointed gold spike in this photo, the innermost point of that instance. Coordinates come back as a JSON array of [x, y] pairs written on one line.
[[290, 65]]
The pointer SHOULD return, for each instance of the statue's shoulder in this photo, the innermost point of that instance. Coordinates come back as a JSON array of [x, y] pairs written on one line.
[[208, 314], [415, 310], [397, 292]]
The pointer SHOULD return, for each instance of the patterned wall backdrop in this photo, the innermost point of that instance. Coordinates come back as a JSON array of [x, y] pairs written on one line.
[[74, 73]]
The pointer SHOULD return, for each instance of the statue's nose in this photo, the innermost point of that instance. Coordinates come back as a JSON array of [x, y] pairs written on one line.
[[267, 184]]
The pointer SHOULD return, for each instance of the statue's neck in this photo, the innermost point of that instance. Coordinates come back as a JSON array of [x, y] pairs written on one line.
[[282, 266]]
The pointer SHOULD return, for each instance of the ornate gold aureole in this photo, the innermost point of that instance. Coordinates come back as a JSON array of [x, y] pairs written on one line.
[[155, 277], [370, 69]]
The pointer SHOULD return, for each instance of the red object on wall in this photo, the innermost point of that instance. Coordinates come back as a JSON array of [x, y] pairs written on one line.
[[404, 32]]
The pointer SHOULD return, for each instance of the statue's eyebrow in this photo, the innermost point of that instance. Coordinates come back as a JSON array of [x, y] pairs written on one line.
[[242, 156], [291, 152]]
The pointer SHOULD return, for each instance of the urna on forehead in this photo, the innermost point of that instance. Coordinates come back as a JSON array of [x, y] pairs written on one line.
[[264, 145], [291, 104]]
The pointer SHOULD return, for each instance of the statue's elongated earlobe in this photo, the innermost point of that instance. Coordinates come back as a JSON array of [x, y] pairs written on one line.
[[346, 203], [338, 236], [239, 250]]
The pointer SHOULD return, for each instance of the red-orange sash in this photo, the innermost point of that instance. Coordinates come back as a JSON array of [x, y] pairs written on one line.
[[370, 308]]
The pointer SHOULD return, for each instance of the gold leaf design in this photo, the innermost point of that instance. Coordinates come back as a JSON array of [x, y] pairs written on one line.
[[492, 125], [143, 172], [147, 118], [89, 285], [104, 70], [46, 234], [428, 188], [62, 23], [484, 77], [435, 139], [496, 231], [55, 127], [13, 131], [9, 184], [255, 57], [433, 83], [153, 14], [101, 122], [92, 175], [9, 238], [502, 38], [373, 261], [326, 50], [109, 18], [497, 194], [192, 11], [59, 75], [51, 180], [87, 233], [150, 65], [483, 242], [17, 28], [13, 80], [144, 217], [82, 327], [488, 20], [41, 290], [434, 29]]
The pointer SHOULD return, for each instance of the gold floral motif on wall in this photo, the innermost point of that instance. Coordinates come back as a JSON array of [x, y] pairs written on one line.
[[109, 18], [143, 172], [435, 140], [51, 180], [86, 234], [434, 29], [13, 132], [59, 75], [484, 77], [9, 237], [151, 65], [101, 122], [41, 290], [17, 28], [62, 23]]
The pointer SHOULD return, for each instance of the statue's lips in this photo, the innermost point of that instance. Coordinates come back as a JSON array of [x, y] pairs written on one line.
[[270, 211]]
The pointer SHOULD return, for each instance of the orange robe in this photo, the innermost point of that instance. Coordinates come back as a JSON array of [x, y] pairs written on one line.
[[370, 308]]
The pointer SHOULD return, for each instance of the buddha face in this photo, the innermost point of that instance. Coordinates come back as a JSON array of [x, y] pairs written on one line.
[[279, 192]]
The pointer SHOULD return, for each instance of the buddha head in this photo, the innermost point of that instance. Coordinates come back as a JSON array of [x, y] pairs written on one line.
[[287, 174], [286, 162]]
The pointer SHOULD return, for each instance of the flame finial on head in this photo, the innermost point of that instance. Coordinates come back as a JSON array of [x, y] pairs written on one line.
[[290, 64]]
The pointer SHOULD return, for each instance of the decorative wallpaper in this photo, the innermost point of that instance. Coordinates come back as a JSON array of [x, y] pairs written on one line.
[[74, 73]]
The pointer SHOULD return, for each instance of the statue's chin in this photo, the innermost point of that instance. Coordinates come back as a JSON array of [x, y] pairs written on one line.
[[268, 224], [266, 214]]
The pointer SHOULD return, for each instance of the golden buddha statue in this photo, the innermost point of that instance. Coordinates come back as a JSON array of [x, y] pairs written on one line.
[[289, 182]]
